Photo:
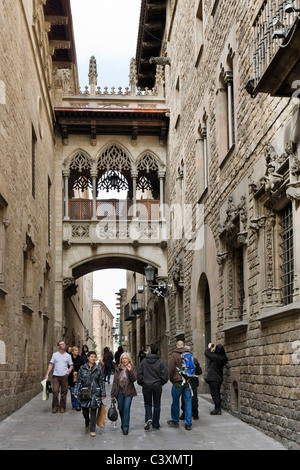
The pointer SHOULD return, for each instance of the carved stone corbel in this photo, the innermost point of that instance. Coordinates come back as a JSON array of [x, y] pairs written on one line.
[[69, 286]]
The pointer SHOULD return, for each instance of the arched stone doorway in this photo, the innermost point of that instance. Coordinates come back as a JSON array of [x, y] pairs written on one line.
[[204, 298]]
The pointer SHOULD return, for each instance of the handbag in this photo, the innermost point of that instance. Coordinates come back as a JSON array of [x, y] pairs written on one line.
[[85, 394], [112, 413], [101, 416]]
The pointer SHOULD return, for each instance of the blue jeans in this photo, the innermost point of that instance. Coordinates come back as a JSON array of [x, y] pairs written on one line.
[[124, 404], [75, 401], [187, 397], [154, 393]]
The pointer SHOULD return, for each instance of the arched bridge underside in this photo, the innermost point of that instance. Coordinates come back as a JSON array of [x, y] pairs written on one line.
[[110, 262], [79, 260]]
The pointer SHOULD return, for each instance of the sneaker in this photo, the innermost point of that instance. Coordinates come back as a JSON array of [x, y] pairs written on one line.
[[188, 427], [215, 412], [172, 423], [148, 424], [92, 434]]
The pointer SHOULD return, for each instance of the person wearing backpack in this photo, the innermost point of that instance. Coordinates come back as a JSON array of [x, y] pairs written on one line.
[[194, 381], [152, 375], [180, 387]]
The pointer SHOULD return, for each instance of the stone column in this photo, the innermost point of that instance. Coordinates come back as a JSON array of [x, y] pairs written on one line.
[[229, 83], [161, 175], [134, 175], [94, 174], [66, 175]]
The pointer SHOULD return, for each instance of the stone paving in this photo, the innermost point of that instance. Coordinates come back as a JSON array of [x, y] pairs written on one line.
[[34, 427]]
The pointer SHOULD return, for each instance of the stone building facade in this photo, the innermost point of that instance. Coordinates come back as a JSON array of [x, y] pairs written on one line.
[[30, 57], [102, 328], [205, 127], [233, 171], [27, 226]]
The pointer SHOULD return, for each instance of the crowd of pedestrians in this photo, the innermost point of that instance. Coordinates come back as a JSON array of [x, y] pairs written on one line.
[[86, 380]]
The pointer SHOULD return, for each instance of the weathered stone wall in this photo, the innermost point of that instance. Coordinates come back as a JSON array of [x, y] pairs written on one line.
[[262, 379], [26, 322]]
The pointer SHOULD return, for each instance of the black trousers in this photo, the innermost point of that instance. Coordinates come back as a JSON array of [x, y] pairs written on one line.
[[216, 394], [90, 416]]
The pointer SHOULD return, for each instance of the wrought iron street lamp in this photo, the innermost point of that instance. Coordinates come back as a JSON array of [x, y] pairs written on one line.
[[161, 289]]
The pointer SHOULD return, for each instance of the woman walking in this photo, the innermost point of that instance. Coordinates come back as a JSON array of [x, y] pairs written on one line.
[[123, 389], [108, 362], [214, 374], [77, 363], [90, 378]]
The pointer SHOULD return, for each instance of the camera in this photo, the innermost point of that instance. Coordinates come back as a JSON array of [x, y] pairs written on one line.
[[212, 345]]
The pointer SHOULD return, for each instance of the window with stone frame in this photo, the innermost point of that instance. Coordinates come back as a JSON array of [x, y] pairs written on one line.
[[33, 162], [287, 254], [28, 261], [4, 224], [233, 239], [226, 108], [275, 194], [199, 30], [202, 157]]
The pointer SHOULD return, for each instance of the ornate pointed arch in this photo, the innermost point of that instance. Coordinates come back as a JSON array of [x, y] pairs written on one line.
[[79, 160], [148, 161], [114, 157]]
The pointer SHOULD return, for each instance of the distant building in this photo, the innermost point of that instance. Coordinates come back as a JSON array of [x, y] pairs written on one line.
[[103, 327]]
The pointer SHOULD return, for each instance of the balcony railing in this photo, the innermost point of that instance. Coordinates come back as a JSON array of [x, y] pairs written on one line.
[[114, 209], [265, 45]]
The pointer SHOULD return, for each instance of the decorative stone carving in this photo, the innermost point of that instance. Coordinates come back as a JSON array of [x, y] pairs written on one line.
[[178, 273], [69, 286], [234, 227], [163, 61]]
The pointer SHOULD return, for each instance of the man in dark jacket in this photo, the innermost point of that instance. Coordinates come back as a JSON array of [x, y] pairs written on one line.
[[179, 388], [152, 375]]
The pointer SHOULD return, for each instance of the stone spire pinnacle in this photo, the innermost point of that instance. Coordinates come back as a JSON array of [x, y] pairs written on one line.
[[93, 75]]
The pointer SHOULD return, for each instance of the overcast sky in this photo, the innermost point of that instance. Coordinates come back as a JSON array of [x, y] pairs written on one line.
[[107, 29]]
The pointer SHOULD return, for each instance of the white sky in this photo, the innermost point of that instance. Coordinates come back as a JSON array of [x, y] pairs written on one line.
[[107, 29]]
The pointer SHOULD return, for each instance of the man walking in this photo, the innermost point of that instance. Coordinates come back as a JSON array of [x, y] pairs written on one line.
[[179, 388], [63, 365], [194, 383], [152, 375]]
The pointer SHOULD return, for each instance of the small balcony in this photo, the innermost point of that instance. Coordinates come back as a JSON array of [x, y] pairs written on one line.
[[114, 209], [114, 222], [276, 59]]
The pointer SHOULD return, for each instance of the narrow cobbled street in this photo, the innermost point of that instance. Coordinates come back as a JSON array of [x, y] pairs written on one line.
[[34, 427]]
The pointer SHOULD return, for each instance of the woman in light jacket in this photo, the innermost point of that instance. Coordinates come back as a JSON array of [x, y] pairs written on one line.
[[123, 389], [90, 376]]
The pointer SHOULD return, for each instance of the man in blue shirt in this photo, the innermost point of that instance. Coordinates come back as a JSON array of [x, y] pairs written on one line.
[[63, 365]]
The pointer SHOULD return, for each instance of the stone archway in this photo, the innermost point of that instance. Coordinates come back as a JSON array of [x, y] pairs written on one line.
[[204, 273]]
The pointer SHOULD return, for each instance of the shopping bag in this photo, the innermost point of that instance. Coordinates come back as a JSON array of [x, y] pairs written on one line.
[[45, 395], [101, 416]]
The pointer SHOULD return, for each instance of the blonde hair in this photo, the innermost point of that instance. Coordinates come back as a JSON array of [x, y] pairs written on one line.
[[125, 354], [75, 347]]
